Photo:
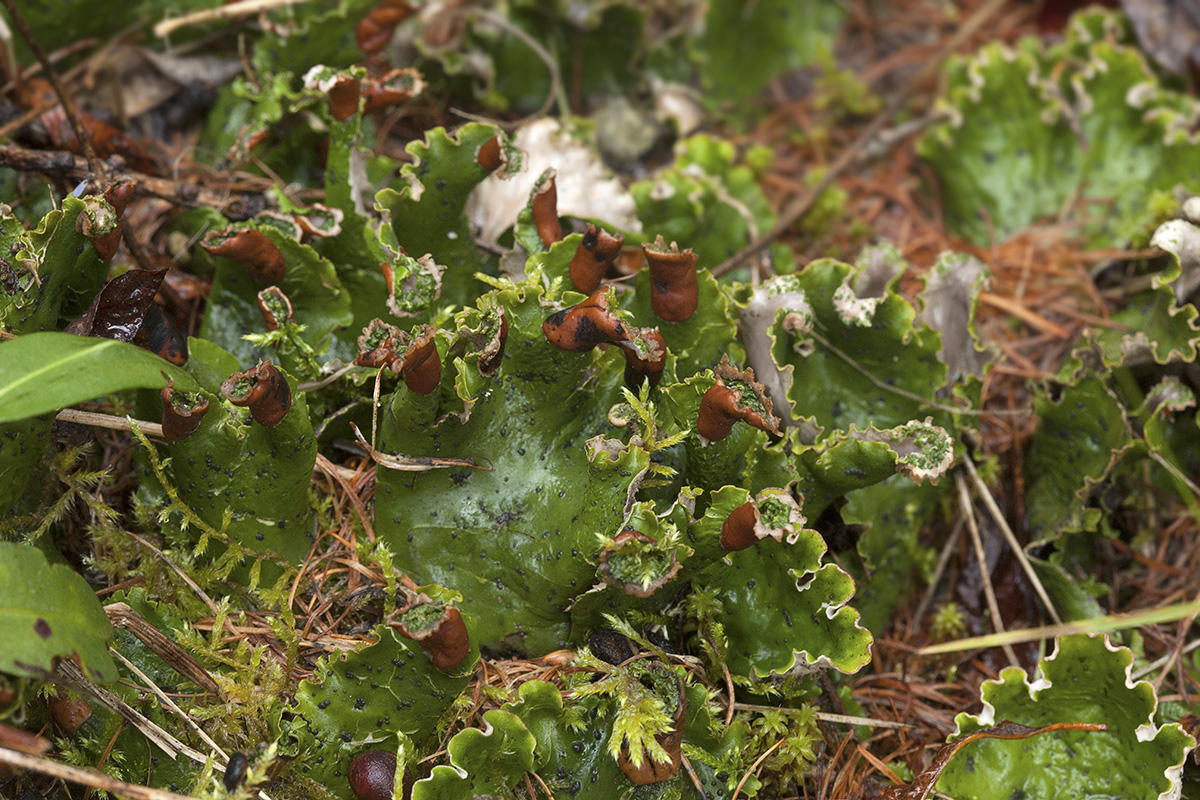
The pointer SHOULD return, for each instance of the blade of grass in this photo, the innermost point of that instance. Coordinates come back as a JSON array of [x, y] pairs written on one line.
[[1108, 624]]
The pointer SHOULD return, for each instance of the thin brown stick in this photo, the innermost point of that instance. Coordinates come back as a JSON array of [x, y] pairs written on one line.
[[1156, 664], [86, 777], [151, 730], [542, 783], [55, 57], [9, 128], [85, 141], [104, 756], [195, 587], [687, 765], [309, 386], [414, 463], [878, 764], [968, 511], [115, 423], [333, 471], [737, 791], [1175, 471], [122, 616], [187, 720], [109, 421], [1011, 538], [555, 93], [1026, 315], [62, 164], [166, 699], [1176, 652]]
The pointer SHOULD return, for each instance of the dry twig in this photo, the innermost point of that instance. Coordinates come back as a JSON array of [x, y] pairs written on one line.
[[968, 511]]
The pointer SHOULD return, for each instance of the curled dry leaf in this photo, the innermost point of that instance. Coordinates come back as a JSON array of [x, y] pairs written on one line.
[[438, 629], [106, 139], [120, 308], [559, 658], [157, 335], [445, 22], [586, 188], [583, 326], [125, 310], [250, 248], [374, 31], [674, 286], [755, 324], [182, 412], [593, 257], [275, 307], [735, 396], [263, 389], [543, 205]]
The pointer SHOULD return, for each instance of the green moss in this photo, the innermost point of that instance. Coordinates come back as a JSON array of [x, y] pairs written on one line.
[[1161, 205], [242, 387], [931, 442], [747, 396], [376, 336], [186, 401], [775, 514], [276, 306], [422, 617], [641, 567], [948, 623]]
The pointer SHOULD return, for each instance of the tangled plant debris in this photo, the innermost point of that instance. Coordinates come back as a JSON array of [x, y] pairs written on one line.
[[349, 449]]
